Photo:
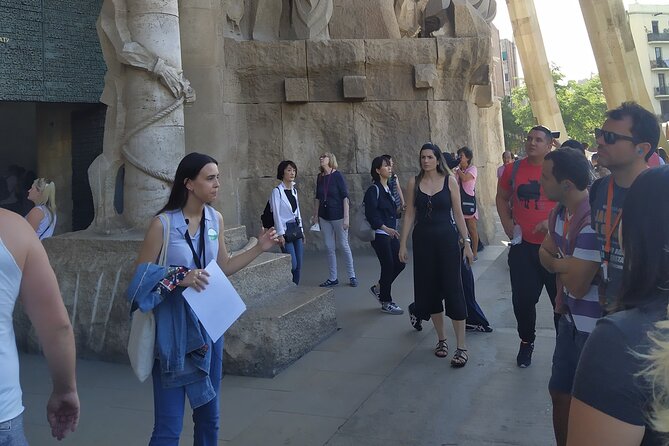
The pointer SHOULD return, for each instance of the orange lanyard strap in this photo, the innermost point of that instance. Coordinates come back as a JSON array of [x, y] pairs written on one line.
[[609, 227]]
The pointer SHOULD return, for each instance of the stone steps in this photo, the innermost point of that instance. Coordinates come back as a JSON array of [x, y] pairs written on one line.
[[274, 333], [282, 321]]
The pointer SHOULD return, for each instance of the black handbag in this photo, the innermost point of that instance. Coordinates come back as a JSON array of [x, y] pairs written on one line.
[[293, 231], [468, 202]]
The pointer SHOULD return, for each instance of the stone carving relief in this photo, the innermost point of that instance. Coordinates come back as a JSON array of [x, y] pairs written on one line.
[[267, 20], [234, 10], [310, 19], [134, 74], [425, 18]]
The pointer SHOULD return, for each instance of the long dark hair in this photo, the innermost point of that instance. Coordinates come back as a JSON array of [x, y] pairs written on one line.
[[189, 168], [377, 163], [441, 167], [645, 235]]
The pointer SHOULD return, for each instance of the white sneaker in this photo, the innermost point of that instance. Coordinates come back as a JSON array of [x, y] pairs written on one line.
[[391, 308]]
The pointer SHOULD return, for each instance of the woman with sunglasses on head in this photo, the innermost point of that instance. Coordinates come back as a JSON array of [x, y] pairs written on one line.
[[188, 362], [466, 175], [433, 203], [43, 216], [331, 212], [620, 389]]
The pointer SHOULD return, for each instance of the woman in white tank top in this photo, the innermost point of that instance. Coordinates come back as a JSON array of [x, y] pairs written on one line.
[[43, 216]]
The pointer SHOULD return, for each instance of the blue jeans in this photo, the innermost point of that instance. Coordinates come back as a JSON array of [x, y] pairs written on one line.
[[11, 432], [168, 406], [296, 251]]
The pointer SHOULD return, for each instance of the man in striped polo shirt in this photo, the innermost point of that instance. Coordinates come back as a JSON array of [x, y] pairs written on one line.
[[571, 251]]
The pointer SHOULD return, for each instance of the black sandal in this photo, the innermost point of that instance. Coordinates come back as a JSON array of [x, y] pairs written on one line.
[[460, 358], [441, 350]]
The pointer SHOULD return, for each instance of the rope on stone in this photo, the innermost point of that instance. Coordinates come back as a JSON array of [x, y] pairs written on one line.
[[141, 126]]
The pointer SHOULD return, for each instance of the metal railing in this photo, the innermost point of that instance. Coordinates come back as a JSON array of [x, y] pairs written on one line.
[[658, 37], [659, 63], [662, 91]]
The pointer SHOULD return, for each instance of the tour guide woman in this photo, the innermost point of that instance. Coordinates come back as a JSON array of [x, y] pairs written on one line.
[[187, 362]]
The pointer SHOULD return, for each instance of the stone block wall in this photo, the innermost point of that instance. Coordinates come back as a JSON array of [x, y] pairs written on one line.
[[415, 91]]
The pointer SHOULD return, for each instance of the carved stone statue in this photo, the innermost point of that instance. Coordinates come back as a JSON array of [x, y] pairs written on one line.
[[430, 17], [144, 91], [310, 18], [267, 20]]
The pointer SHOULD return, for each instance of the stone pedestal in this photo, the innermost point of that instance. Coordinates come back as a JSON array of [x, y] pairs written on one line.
[[282, 321]]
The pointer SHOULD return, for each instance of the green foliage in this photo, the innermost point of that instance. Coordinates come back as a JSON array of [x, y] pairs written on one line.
[[582, 104]]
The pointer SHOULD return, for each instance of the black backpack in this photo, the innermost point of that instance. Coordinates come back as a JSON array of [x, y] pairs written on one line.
[[267, 217]]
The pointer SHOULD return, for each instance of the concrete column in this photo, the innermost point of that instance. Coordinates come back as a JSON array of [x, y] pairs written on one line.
[[615, 54], [536, 69]]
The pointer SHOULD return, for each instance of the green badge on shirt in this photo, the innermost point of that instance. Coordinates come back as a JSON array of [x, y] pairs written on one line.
[[213, 235]]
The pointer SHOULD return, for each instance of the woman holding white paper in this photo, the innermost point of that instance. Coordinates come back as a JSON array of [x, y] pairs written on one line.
[[188, 362]]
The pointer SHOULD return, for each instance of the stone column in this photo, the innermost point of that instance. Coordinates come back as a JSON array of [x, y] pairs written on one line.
[[615, 54], [536, 69], [159, 145]]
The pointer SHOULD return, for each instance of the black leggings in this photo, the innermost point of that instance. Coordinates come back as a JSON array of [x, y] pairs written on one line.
[[387, 250], [528, 278]]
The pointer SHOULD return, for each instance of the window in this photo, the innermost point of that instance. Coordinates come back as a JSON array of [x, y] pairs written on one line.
[[504, 55], [658, 53], [506, 77], [656, 26], [662, 81]]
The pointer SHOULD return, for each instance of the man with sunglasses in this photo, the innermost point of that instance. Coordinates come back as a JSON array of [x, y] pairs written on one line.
[[626, 141], [519, 189]]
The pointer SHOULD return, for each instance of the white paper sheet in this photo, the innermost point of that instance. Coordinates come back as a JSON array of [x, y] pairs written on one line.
[[218, 306]]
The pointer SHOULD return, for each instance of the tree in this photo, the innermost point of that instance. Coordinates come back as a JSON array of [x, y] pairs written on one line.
[[513, 133], [582, 104]]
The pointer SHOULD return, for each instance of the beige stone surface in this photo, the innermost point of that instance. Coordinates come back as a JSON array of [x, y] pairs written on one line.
[[267, 20], [425, 75], [535, 64], [615, 54], [328, 62], [458, 59], [368, 19], [390, 67], [450, 125], [468, 21], [311, 129], [255, 71], [297, 89], [355, 87], [399, 128]]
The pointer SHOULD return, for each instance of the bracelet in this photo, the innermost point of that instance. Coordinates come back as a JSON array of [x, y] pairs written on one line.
[[462, 241]]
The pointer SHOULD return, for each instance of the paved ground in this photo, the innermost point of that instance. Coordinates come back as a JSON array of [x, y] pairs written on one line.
[[374, 382]]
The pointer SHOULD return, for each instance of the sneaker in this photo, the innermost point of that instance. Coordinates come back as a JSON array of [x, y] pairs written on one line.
[[391, 308], [353, 282], [329, 283], [415, 322], [524, 358], [478, 328], [375, 292]]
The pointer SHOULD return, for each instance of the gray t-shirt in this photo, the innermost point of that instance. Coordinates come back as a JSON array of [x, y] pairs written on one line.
[[606, 377], [598, 197]]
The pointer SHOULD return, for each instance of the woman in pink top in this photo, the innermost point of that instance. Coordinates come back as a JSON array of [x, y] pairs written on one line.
[[467, 173]]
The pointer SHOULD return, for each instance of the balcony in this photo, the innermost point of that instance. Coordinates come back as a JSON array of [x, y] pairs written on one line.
[[662, 91], [659, 64], [659, 37]]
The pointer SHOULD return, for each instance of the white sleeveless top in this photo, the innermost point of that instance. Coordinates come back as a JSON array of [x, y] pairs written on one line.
[[48, 223], [10, 388]]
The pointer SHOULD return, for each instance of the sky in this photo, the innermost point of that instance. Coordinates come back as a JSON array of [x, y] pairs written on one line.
[[563, 30]]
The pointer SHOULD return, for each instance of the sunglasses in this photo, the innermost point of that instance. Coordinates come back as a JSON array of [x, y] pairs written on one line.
[[611, 137]]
